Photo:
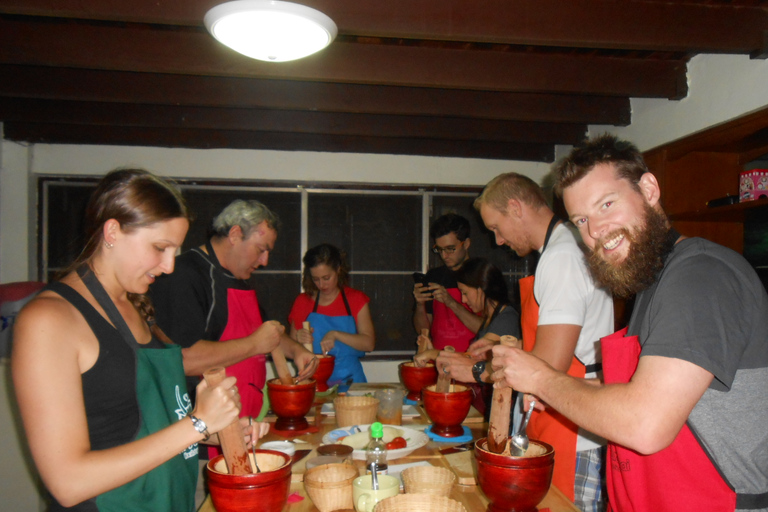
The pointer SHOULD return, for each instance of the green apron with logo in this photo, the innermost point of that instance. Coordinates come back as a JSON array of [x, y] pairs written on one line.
[[161, 392]]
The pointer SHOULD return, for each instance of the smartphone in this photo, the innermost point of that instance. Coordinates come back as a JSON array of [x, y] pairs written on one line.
[[418, 277]]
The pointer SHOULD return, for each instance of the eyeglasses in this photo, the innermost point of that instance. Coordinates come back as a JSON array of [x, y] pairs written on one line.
[[447, 250]]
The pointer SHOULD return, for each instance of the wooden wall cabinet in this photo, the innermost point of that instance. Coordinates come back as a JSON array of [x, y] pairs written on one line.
[[706, 166]]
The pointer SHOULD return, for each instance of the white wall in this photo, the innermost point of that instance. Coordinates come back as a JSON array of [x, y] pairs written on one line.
[[720, 88]]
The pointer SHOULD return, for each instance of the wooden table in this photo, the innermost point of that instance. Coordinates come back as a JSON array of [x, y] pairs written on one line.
[[470, 495]]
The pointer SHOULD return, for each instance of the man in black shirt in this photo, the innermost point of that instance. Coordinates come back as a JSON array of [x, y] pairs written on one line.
[[438, 305]]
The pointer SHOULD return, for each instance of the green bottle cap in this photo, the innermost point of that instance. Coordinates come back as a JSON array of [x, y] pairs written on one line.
[[377, 430]]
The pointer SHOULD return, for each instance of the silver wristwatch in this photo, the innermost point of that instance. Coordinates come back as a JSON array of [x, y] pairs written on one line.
[[477, 370], [200, 426]]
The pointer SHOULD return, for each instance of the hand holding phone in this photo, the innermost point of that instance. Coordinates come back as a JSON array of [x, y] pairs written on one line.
[[420, 278]]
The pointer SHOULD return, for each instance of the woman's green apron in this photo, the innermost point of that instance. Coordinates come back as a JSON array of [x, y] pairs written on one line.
[[163, 400]]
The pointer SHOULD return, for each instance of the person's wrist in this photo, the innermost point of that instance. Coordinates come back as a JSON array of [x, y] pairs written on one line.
[[200, 426]]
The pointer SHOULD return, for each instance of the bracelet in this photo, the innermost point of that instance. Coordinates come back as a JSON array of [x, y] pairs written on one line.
[[200, 426]]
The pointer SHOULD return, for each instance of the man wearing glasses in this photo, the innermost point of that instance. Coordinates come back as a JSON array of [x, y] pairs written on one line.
[[438, 304]]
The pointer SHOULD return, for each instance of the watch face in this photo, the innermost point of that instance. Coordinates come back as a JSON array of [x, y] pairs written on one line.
[[477, 370]]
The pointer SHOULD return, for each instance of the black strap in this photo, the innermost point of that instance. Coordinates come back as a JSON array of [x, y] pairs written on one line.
[[752, 501], [552, 223], [343, 297], [593, 368], [100, 294]]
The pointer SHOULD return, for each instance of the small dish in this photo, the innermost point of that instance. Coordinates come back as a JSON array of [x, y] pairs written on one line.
[[285, 447]]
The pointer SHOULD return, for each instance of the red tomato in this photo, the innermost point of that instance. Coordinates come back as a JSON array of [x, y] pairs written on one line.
[[397, 443]]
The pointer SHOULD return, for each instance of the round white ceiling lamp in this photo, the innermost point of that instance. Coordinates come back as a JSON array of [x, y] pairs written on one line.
[[270, 30]]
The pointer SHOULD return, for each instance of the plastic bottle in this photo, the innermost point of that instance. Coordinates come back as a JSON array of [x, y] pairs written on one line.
[[377, 450]]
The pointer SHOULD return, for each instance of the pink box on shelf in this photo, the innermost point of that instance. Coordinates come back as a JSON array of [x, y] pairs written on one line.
[[753, 184]]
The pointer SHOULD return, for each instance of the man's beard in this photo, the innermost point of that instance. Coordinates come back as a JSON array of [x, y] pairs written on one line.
[[648, 250]]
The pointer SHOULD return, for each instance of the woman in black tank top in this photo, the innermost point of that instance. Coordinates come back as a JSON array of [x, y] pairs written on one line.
[[92, 378]]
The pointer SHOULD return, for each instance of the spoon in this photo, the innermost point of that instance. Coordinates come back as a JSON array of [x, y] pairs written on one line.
[[519, 443], [374, 477], [253, 449]]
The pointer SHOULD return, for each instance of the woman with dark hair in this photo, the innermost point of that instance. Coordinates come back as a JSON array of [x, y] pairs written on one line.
[[484, 289], [102, 394], [339, 317]]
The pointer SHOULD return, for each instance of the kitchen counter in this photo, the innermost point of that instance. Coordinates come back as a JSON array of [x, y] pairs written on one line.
[[470, 495]]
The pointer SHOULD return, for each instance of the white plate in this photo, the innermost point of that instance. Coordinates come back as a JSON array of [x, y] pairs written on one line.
[[415, 438], [409, 411]]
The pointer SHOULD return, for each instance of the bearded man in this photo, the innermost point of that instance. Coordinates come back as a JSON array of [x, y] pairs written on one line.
[[683, 403]]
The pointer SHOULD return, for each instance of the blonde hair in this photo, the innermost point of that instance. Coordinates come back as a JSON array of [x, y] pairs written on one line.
[[511, 185]]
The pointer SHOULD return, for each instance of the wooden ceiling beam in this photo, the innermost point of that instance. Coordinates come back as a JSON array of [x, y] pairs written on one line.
[[732, 27], [164, 89], [209, 139], [154, 116], [134, 47]]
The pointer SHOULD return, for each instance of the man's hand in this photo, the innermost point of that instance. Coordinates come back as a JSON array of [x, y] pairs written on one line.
[[480, 349], [421, 293], [440, 294], [267, 337], [518, 369], [458, 366]]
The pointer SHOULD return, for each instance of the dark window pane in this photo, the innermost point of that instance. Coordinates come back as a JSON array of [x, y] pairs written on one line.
[[66, 209], [391, 309], [378, 232], [276, 293]]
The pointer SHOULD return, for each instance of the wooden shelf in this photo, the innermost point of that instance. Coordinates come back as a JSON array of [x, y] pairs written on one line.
[[729, 213]]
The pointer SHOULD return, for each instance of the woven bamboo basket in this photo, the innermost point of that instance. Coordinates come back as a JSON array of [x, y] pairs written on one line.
[[355, 410], [419, 503], [428, 480], [330, 486]]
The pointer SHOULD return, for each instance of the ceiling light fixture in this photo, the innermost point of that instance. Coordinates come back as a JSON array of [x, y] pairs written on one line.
[[270, 30]]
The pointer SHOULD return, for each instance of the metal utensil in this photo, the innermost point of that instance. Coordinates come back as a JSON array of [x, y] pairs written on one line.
[[256, 464], [519, 443], [374, 477]]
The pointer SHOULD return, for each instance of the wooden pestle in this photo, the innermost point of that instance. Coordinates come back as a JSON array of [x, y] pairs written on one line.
[[306, 326], [501, 405], [443, 379], [282, 367], [231, 437]]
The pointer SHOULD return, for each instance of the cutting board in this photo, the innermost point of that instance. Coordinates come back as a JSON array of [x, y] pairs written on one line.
[[463, 464]]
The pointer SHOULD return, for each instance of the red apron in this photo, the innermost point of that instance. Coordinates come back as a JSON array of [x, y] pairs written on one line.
[[244, 317], [447, 329], [550, 426], [679, 477]]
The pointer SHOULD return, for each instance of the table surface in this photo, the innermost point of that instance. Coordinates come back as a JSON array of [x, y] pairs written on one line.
[[470, 495]]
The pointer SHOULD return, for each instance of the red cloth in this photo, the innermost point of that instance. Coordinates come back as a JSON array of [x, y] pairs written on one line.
[[304, 303], [679, 477]]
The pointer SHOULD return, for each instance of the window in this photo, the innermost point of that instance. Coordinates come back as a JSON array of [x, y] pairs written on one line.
[[384, 232]]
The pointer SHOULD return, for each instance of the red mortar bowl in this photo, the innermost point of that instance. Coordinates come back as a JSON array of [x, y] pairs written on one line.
[[514, 484], [416, 378], [291, 403], [323, 372], [266, 491], [447, 410]]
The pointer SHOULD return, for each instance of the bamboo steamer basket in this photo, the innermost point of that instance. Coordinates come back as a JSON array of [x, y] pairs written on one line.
[[419, 503], [355, 410], [329, 486], [428, 480]]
